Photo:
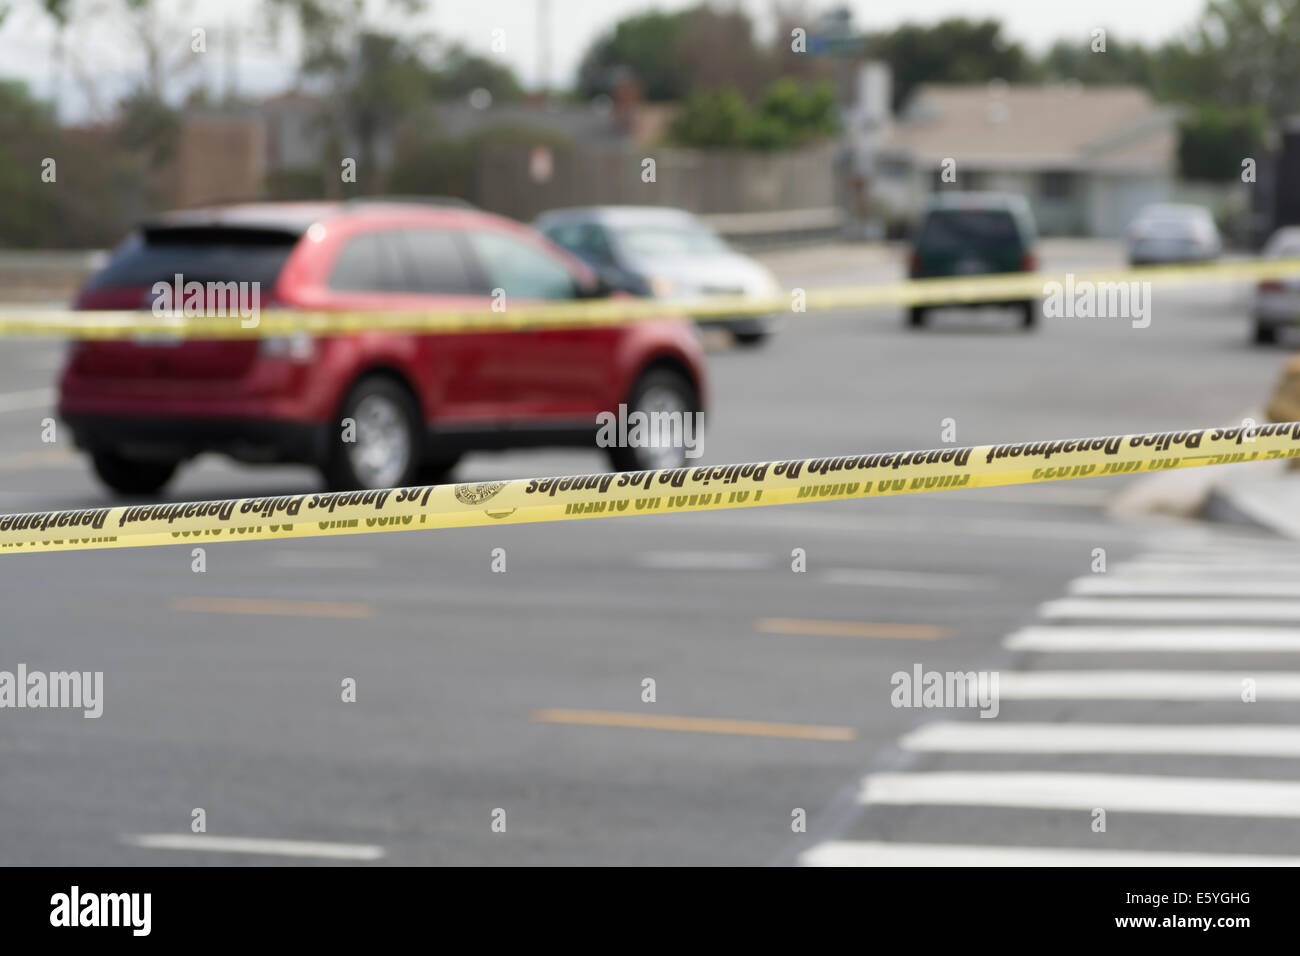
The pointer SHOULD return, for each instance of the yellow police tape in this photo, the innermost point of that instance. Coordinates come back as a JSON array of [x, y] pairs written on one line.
[[706, 488], [1007, 287]]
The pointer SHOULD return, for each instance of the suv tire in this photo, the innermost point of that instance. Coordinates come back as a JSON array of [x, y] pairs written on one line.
[[131, 476], [658, 390], [386, 449], [1029, 313]]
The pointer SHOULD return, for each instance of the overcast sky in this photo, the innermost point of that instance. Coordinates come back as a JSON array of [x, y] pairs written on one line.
[[107, 53]]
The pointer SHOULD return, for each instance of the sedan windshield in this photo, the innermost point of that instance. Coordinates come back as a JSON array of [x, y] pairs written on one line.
[[663, 241]]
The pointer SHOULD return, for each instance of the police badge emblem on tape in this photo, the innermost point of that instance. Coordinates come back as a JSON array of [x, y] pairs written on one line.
[[478, 493]]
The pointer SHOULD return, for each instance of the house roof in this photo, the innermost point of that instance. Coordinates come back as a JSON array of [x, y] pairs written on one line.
[[1061, 126]]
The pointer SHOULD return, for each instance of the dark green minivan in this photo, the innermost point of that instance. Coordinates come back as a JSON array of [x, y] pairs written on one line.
[[966, 234]]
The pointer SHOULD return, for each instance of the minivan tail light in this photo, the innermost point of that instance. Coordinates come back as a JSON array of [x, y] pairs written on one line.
[[297, 347]]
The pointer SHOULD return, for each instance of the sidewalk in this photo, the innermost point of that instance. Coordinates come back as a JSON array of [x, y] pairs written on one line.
[[1265, 494]]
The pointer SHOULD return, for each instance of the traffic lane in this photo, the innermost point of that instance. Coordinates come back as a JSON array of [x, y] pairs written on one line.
[[240, 714], [838, 383], [854, 382]]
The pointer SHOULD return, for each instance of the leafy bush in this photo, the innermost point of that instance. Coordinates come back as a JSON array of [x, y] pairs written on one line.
[[788, 114]]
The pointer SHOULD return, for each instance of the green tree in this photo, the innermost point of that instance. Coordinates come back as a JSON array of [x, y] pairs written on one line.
[[955, 50], [371, 77], [788, 114], [27, 135], [670, 54], [459, 72], [99, 188], [647, 46], [1120, 63], [1240, 53], [806, 111], [713, 119], [147, 123], [1213, 140]]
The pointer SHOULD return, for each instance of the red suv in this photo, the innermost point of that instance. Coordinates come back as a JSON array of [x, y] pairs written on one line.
[[371, 409]]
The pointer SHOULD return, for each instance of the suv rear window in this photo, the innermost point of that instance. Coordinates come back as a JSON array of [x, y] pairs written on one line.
[[969, 228], [200, 254]]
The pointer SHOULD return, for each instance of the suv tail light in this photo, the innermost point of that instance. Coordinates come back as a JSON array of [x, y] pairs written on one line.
[[1028, 262], [1271, 285]]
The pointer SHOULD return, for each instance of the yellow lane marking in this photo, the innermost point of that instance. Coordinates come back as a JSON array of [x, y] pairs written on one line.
[[787, 625], [220, 605], [698, 725]]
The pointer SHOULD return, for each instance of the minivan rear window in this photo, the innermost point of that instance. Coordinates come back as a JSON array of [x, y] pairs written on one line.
[[966, 228], [199, 254]]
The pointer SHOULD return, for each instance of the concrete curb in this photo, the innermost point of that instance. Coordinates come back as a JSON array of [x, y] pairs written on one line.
[[1260, 494]]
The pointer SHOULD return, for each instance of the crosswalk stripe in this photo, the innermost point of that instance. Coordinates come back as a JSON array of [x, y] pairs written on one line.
[[1217, 546], [1130, 793], [1288, 570], [1133, 609], [1183, 586], [1142, 605], [27, 400], [870, 853], [225, 844], [991, 736], [1147, 685], [921, 580], [704, 560], [1150, 638], [1225, 554]]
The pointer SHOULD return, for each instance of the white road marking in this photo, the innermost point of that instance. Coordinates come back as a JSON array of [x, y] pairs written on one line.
[[944, 525], [1137, 609], [222, 844], [1142, 570], [921, 580], [1100, 584], [868, 853], [705, 560], [46, 458], [1146, 685], [25, 401], [1224, 552], [1119, 793], [1040, 494], [991, 736], [1160, 639]]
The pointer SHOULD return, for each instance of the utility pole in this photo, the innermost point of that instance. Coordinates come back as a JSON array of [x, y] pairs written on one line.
[[544, 47]]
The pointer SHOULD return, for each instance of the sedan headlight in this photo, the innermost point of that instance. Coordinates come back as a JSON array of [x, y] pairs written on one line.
[[662, 287], [767, 285]]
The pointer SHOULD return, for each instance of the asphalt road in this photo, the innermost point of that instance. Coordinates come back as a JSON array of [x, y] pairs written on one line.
[[480, 692]]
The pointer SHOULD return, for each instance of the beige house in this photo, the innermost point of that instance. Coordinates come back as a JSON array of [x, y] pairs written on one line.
[[1087, 158]]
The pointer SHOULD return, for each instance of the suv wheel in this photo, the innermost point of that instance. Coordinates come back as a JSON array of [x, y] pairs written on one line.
[[131, 476], [1029, 314], [1265, 334], [658, 390], [916, 317], [385, 452]]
